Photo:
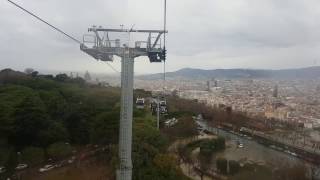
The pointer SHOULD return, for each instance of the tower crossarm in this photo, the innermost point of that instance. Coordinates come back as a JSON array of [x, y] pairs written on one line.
[[104, 50], [127, 30], [101, 53], [156, 41]]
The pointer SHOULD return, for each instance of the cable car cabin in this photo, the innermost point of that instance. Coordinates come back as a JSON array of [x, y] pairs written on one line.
[[140, 103], [156, 56], [163, 106], [163, 103]]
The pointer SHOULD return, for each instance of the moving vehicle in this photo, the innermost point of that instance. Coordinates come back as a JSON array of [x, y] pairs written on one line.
[[21, 166], [239, 144], [70, 161], [47, 167], [171, 122], [2, 169]]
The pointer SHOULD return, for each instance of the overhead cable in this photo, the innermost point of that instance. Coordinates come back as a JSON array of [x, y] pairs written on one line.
[[55, 28]]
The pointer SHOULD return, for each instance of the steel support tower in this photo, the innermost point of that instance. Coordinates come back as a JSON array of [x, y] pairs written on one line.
[[102, 48]]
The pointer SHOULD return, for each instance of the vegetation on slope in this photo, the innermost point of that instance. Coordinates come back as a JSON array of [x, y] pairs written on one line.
[[41, 116]]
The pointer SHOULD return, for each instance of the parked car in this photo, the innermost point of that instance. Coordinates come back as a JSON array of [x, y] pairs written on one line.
[[2, 169], [21, 166], [70, 161], [46, 168], [294, 154], [60, 164]]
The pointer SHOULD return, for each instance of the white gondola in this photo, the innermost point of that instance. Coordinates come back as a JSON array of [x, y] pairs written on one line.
[[140, 103], [163, 106]]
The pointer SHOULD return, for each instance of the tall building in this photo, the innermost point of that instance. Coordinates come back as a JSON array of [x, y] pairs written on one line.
[[208, 85], [215, 82], [275, 91]]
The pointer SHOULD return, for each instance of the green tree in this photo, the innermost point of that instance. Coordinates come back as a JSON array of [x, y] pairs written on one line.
[[55, 103], [147, 143], [5, 154], [234, 167], [32, 155], [221, 143], [166, 167], [186, 127], [10, 97], [31, 120], [59, 150], [205, 162], [207, 147], [56, 132], [222, 165], [6, 121], [77, 124], [11, 161], [105, 128], [61, 77]]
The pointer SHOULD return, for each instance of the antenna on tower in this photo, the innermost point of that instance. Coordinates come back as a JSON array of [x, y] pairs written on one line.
[[165, 23], [164, 45]]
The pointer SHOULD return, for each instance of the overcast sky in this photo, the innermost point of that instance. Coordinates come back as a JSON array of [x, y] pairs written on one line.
[[206, 34]]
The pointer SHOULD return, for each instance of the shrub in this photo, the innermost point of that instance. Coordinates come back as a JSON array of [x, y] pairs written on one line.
[[221, 143], [222, 165], [59, 150], [208, 147], [234, 167], [32, 155]]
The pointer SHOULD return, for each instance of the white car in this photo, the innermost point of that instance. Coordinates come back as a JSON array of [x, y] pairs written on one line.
[[293, 154], [240, 145], [21, 166], [70, 161], [46, 168], [2, 169]]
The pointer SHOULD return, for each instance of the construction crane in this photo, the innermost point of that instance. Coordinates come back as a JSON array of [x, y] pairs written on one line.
[[104, 49]]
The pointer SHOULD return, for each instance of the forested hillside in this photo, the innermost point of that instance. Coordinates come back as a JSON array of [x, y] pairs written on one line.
[[44, 116]]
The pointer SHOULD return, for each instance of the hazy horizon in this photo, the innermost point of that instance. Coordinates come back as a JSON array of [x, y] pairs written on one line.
[[82, 72]]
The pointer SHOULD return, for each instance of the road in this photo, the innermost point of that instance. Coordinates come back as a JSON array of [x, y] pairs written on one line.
[[252, 151]]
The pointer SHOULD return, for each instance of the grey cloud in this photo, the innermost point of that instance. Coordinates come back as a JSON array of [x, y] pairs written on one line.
[[218, 33]]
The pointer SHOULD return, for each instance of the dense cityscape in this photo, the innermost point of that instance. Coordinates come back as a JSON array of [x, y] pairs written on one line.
[[295, 101]]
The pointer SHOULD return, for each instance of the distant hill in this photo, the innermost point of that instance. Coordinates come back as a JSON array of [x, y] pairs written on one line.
[[189, 73]]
